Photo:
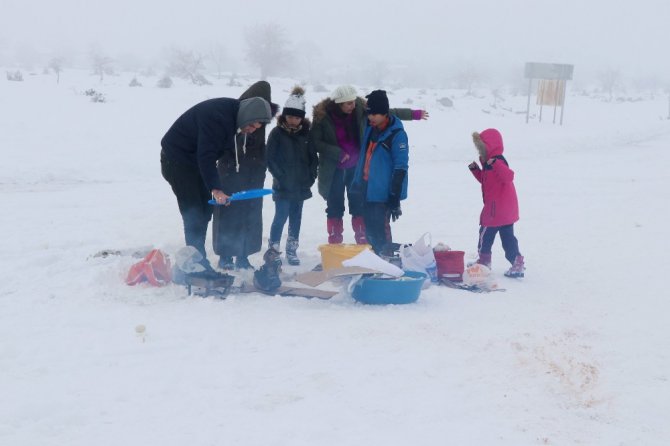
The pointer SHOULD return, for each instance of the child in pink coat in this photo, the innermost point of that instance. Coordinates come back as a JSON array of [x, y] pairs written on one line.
[[501, 207]]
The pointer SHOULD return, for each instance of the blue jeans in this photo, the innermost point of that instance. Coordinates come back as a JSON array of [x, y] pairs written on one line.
[[192, 196], [286, 209]]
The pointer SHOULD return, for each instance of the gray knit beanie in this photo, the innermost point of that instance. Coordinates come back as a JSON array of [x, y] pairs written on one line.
[[253, 110]]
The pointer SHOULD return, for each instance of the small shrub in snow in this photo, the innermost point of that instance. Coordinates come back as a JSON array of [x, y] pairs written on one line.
[[164, 82], [233, 82], [445, 102], [135, 83], [199, 79], [15, 76], [95, 96]]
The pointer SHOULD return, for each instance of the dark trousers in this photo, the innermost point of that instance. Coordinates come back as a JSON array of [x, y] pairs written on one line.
[[377, 220], [286, 209], [487, 235], [342, 180], [192, 197]]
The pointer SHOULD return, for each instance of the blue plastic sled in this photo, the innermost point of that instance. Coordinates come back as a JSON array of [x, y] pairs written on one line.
[[244, 195]]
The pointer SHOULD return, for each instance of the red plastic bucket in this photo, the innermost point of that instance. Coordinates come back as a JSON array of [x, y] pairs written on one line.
[[450, 265]]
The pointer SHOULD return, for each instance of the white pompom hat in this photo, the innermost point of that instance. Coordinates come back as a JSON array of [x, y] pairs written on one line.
[[295, 104]]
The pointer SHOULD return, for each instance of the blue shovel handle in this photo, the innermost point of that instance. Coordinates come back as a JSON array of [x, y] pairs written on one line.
[[244, 195]]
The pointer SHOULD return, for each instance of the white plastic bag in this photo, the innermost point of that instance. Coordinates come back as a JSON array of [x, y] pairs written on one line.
[[478, 275], [419, 257], [188, 260]]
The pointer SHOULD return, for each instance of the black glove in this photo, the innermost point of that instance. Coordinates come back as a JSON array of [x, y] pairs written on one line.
[[394, 209], [473, 166]]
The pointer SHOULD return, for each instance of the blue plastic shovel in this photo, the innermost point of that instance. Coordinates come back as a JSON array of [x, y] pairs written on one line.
[[244, 195]]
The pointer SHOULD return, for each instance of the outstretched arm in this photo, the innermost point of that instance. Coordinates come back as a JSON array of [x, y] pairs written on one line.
[[407, 114]]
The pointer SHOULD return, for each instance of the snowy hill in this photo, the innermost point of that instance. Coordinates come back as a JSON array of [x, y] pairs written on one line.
[[575, 353]]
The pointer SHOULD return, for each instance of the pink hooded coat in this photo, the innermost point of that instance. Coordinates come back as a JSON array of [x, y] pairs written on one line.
[[501, 206]]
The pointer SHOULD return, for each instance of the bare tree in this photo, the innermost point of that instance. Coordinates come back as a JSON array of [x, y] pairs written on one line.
[[219, 56], [609, 79], [467, 78], [187, 65], [56, 64], [267, 48], [101, 64]]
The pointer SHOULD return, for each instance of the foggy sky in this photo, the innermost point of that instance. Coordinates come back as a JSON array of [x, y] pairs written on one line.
[[630, 36]]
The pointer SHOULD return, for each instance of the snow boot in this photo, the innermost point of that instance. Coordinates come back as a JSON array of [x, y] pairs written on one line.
[[484, 259], [267, 276], [242, 262], [335, 228], [517, 269], [291, 251], [226, 263], [358, 224]]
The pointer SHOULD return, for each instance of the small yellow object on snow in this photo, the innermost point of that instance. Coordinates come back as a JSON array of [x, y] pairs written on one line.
[[140, 330]]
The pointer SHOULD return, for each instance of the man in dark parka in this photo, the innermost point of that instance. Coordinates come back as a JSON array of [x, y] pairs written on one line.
[[190, 148], [238, 228]]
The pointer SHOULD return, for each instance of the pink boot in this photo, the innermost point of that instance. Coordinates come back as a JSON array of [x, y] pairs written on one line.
[[358, 224], [517, 269], [335, 228], [484, 259]]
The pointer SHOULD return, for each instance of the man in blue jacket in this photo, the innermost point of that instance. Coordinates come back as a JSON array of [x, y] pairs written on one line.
[[189, 152], [381, 173]]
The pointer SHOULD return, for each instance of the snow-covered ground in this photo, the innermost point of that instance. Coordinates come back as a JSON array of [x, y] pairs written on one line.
[[575, 353]]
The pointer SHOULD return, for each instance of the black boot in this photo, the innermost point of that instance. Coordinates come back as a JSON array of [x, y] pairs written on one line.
[[226, 263], [267, 277], [242, 262]]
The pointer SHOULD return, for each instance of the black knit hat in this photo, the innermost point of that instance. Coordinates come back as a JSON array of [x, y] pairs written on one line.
[[378, 103]]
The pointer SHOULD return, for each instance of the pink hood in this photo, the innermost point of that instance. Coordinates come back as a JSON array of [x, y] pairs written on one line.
[[493, 141]]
